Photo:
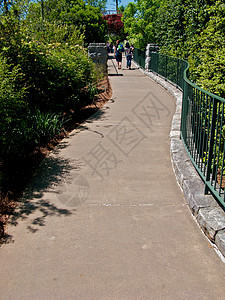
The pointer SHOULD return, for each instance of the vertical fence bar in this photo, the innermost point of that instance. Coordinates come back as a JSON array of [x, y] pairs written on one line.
[[178, 64], [166, 74], [211, 143], [201, 131], [221, 180], [157, 63], [184, 113], [204, 131]]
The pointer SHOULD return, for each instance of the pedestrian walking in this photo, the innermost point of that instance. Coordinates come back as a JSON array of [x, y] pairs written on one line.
[[108, 47], [129, 54], [119, 49], [111, 48]]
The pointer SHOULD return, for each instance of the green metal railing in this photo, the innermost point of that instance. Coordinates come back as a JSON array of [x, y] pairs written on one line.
[[139, 57], [169, 67], [202, 123]]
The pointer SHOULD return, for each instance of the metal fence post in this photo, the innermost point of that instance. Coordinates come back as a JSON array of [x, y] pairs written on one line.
[[178, 64], [211, 145], [184, 111], [166, 66]]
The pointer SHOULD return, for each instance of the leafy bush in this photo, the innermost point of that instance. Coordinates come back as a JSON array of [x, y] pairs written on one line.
[[209, 71], [79, 13], [56, 68], [44, 73], [55, 74], [40, 78], [45, 126], [35, 129], [12, 99]]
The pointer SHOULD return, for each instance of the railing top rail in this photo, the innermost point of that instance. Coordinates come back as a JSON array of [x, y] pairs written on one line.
[[198, 88], [186, 78]]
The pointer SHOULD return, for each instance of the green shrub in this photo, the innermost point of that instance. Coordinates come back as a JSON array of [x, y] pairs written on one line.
[[55, 65], [35, 129], [55, 73], [45, 126], [13, 102], [40, 78]]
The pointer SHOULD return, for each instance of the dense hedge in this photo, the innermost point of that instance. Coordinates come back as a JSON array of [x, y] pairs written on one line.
[[40, 80], [190, 29]]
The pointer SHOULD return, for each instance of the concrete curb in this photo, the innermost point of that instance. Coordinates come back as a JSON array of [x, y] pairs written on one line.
[[207, 212]]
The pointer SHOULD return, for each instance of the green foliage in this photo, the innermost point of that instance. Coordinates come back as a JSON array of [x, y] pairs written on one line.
[[178, 24], [87, 18], [192, 30], [44, 125], [55, 73], [45, 32], [55, 65], [44, 72], [98, 3], [139, 19], [36, 128], [91, 91], [170, 26], [209, 71], [12, 96]]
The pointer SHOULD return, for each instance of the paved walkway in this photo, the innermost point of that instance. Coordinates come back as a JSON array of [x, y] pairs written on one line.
[[105, 218]]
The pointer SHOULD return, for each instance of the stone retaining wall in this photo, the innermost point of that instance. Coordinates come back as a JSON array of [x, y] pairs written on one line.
[[98, 53]]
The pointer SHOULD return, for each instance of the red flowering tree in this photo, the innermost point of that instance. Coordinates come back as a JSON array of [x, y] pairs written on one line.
[[115, 24]]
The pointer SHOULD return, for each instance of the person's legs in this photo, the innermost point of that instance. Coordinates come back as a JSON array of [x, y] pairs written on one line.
[[129, 61], [119, 60]]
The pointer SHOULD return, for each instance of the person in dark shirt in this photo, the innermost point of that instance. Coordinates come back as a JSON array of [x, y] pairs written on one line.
[[129, 54], [119, 49]]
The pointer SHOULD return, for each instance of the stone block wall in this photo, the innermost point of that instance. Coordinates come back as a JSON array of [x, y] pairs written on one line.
[[150, 48], [98, 54]]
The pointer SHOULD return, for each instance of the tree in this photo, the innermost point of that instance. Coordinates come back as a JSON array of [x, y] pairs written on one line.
[[193, 30], [210, 72], [98, 3], [87, 18], [170, 25], [179, 23], [4, 6], [115, 24], [139, 22]]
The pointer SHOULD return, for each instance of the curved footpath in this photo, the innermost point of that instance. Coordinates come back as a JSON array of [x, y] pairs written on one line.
[[105, 218]]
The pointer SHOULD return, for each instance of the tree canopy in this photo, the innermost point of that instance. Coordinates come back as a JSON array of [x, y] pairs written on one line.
[[193, 30], [189, 29], [44, 69], [85, 15], [139, 19]]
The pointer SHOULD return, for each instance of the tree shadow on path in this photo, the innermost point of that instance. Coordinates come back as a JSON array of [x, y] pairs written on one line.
[[34, 206]]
